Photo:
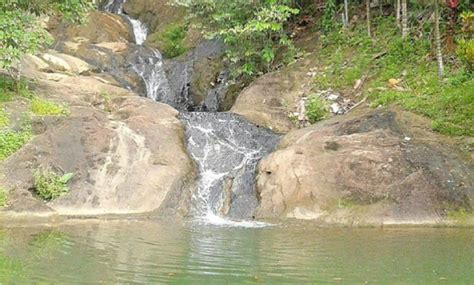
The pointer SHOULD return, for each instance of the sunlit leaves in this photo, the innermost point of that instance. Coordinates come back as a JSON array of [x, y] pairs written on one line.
[[252, 30]]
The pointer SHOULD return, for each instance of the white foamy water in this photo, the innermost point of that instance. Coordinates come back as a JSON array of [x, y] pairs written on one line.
[[150, 69], [226, 150], [140, 31]]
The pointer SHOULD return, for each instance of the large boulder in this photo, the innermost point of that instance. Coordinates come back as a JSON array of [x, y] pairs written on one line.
[[98, 28], [127, 153], [369, 167], [269, 100]]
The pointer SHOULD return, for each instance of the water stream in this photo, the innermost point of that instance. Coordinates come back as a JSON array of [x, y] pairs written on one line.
[[225, 147], [140, 31]]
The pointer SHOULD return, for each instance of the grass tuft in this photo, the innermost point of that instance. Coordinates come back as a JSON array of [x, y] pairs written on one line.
[[42, 107], [11, 141]]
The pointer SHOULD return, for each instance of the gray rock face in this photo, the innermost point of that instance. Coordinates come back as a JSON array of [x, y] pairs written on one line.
[[226, 149], [366, 167]]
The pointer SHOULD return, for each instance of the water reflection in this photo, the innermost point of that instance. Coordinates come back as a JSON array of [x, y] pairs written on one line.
[[160, 252]]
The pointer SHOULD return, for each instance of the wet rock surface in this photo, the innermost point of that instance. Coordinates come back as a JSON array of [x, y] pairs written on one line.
[[367, 167], [183, 83], [226, 149]]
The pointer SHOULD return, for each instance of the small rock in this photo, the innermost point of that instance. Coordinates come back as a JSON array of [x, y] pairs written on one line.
[[335, 108], [358, 84], [393, 82], [333, 97]]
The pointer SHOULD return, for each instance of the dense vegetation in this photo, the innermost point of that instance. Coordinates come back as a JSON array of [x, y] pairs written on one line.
[[389, 70], [21, 31], [254, 31], [418, 54]]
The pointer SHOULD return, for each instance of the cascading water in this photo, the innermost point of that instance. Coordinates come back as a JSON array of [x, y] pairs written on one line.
[[147, 62], [225, 147], [140, 31]]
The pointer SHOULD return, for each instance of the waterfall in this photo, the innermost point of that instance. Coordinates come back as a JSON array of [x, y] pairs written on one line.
[[148, 64], [140, 31], [226, 148]]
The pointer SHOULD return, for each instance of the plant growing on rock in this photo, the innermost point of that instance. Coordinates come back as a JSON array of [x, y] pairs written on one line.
[[3, 197], [11, 141], [48, 185], [42, 107], [316, 109]]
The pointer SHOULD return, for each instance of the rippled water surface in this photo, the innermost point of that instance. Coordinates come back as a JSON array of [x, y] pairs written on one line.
[[162, 253]]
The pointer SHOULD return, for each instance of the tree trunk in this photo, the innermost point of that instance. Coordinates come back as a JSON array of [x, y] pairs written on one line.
[[346, 13], [397, 12], [369, 33], [439, 49], [15, 74], [405, 30]]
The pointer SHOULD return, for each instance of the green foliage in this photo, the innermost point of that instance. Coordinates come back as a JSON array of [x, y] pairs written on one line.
[[460, 215], [252, 30], [106, 101], [11, 141], [349, 56], [49, 185], [465, 48], [21, 32], [316, 109], [465, 52], [172, 40], [4, 119], [42, 107], [327, 20], [71, 10], [9, 88], [3, 197]]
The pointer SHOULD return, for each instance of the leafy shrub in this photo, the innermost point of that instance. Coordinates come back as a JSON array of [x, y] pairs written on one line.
[[42, 107], [465, 52], [11, 141], [20, 32], [252, 30], [49, 185], [316, 109], [172, 41], [8, 89], [327, 21]]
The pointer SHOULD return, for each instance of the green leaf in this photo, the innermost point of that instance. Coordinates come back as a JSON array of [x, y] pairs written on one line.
[[66, 177]]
